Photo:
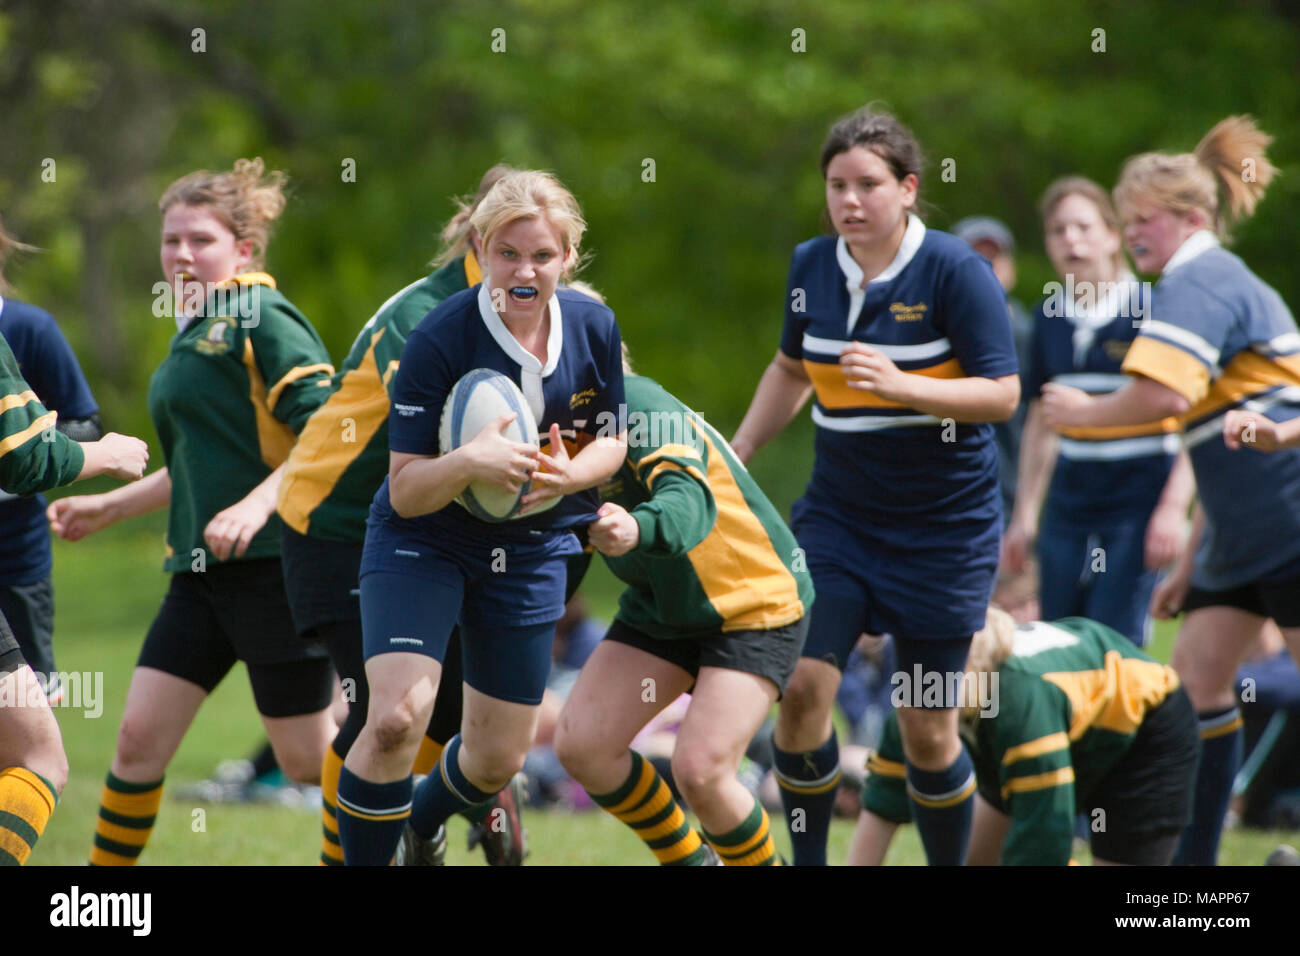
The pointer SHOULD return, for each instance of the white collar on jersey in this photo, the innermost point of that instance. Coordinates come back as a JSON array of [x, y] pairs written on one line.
[[912, 239], [1200, 241], [2, 305], [1103, 311], [531, 370]]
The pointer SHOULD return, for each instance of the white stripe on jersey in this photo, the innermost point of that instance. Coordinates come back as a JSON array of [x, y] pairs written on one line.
[[1290, 395], [1188, 340], [1118, 449], [869, 423], [1284, 344], [1093, 382], [895, 353]]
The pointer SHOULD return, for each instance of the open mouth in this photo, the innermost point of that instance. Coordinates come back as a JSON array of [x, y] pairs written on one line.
[[523, 293]]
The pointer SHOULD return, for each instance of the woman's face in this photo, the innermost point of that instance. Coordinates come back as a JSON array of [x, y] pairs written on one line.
[[864, 199], [195, 242], [523, 266], [1079, 242], [1153, 234]]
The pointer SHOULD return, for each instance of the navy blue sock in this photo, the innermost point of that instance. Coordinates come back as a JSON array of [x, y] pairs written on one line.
[[1220, 757], [444, 792], [808, 782], [943, 802], [371, 817]]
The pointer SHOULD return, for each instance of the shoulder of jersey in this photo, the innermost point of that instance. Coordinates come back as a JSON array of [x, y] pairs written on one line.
[[573, 302], [23, 314], [451, 309], [818, 245], [945, 244]]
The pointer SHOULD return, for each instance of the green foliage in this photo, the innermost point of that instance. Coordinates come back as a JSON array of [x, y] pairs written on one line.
[[733, 117]]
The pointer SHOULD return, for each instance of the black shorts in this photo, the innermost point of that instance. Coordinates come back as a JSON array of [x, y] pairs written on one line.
[[1278, 599], [238, 612], [1147, 796], [321, 580], [29, 609], [771, 654], [11, 657]]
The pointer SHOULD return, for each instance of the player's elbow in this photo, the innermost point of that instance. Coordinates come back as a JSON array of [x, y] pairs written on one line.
[[1162, 400], [1008, 398]]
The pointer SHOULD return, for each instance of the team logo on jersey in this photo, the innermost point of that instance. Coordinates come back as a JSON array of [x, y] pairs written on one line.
[[581, 398], [908, 313], [214, 340], [1115, 349]]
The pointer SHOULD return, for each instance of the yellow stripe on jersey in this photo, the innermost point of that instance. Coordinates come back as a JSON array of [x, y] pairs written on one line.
[[1039, 781], [886, 768], [473, 274], [302, 371], [274, 438], [833, 389], [1036, 748], [250, 278], [1110, 432], [17, 400], [1169, 365], [321, 456], [1115, 697], [31, 431], [739, 570], [1247, 374]]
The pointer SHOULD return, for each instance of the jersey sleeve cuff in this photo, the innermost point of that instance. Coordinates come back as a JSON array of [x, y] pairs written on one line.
[[1170, 366]]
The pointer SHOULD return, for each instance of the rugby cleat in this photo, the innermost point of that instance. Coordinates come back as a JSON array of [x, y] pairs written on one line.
[[415, 850], [502, 834]]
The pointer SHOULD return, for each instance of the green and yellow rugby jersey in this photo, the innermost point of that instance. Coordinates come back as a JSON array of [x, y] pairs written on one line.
[[34, 456], [239, 383], [1069, 701], [341, 456], [714, 553]]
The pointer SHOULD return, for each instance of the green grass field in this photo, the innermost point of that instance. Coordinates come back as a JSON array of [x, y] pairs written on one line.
[[107, 589]]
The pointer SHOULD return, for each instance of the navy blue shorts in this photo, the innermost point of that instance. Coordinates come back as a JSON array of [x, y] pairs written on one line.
[[1097, 571], [931, 595], [505, 596]]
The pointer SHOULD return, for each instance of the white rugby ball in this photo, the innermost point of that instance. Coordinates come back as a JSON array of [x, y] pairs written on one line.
[[475, 402]]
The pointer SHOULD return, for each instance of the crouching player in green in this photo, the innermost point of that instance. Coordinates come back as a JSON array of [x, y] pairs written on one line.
[[1078, 720], [35, 456], [716, 605]]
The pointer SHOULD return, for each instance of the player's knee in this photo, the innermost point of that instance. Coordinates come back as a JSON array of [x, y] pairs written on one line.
[[49, 761], [136, 745], [491, 770], [573, 750], [300, 762], [927, 735], [1208, 682], [699, 774], [808, 698], [396, 730]]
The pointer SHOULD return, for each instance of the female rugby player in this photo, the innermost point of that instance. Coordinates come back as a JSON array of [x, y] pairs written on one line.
[[429, 564], [243, 374], [1218, 339], [902, 332], [715, 605], [341, 458], [1116, 505]]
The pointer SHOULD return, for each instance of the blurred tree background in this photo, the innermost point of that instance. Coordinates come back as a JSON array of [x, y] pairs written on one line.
[[104, 102]]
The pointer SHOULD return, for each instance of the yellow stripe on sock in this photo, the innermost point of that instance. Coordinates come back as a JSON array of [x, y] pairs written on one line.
[[648, 776], [661, 798], [765, 855], [943, 804], [674, 822], [132, 804], [120, 834], [376, 817], [683, 848], [786, 784], [1229, 728]]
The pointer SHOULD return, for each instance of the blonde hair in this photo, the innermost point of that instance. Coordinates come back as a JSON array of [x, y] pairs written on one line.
[[1230, 157], [989, 648], [8, 246], [246, 200], [455, 235], [1060, 189], [532, 194]]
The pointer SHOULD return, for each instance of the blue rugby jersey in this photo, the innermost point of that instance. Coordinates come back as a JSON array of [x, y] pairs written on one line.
[[1100, 472], [1222, 338], [580, 387], [50, 367], [937, 310]]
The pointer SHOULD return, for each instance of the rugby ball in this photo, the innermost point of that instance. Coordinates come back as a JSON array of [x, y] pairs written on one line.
[[475, 401]]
